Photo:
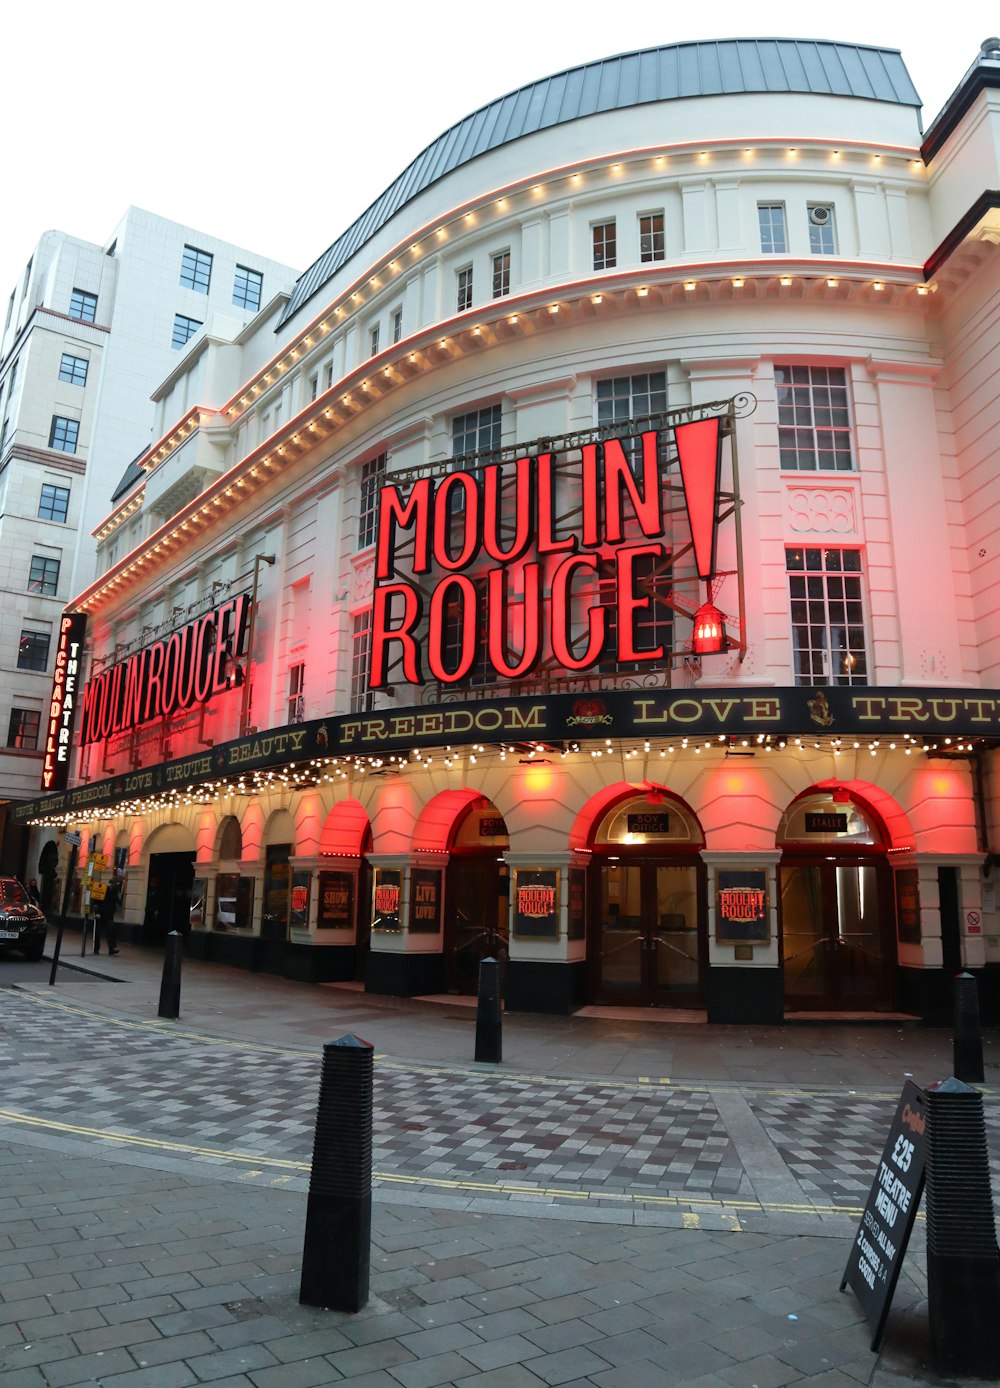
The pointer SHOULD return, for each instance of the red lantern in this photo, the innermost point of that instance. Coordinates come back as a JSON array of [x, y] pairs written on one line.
[[709, 630]]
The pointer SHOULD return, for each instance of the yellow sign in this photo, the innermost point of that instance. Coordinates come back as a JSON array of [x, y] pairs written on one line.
[[98, 862], [98, 891]]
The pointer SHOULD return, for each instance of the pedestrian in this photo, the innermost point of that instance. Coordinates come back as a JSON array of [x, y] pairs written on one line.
[[106, 919], [33, 893]]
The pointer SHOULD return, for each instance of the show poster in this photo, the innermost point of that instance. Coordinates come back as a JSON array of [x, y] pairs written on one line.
[[425, 901], [386, 895], [741, 914], [301, 881], [577, 920], [907, 881], [878, 1248], [536, 903], [336, 901]]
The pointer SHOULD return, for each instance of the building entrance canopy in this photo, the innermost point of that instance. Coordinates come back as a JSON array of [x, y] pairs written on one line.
[[931, 720]]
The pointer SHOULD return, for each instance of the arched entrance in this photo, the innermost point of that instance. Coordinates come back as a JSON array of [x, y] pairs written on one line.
[[837, 935], [170, 859], [477, 892], [647, 945]]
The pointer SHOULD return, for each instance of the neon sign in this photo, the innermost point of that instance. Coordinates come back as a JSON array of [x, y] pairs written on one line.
[[62, 706], [502, 519], [186, 668]]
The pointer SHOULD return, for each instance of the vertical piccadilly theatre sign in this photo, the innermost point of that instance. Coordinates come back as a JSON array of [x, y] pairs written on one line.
[[62, 705], [569, 558]]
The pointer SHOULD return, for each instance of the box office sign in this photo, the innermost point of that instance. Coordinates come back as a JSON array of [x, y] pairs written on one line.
[[335, 910], [386, 895], [425, 900], [741, 914], [536, 903]]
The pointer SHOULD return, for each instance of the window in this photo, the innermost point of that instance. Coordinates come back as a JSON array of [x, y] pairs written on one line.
[[653, 626], [362, 698], [53, 503], [501, 274], [465, 288], [814, 424], [630, 397], [248, 286], [13, 379], [771, 216], [33, 650], [480, 672], [22, 731], [73, 369], [372, 477], [296, 693], [828, 626], [184, 329], [476, 432], [822, 232], [328, 375], [374, 341], [3, 434], [64, 434], [196, 269], [397, 324], [83, 306], [652, 245], [314, 386], [605, 245], [43, 576]]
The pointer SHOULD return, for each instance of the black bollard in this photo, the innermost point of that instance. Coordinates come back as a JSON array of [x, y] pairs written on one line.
[[336, 1256], [968, 1037], [963, 1260], [170, 985], [489, 1024]]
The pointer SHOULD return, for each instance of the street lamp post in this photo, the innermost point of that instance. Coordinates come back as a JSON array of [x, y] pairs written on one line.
[[258, 559]]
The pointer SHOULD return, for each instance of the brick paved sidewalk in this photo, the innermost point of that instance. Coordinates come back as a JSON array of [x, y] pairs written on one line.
[[127, 1277]]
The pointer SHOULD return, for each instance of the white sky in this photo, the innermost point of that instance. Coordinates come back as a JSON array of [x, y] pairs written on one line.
[[274, 125]]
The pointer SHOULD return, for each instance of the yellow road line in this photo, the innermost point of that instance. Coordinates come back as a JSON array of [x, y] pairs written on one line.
[[259, 1163]]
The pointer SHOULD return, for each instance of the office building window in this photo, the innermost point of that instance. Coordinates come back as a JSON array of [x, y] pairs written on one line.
[[63, 434], [397, 324], [83, 306], [43, 576], [296, 693], [362, 698], [73, 370], [828, 624], [814, 422], [465, 288], [22, 731], [53, 503], [771, 218], [196, 269], [184, 329], [652, 245], [248, 287], [605, 243], [372, 477], [374, 341], [33, 650], [476, 432], [822, 229], [501, 274]]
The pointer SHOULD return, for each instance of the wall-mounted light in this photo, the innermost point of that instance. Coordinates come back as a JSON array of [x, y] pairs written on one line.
[[709, 633]]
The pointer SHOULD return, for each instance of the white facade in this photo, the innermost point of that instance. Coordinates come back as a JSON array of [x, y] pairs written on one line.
[[811, 256], [89, 332]]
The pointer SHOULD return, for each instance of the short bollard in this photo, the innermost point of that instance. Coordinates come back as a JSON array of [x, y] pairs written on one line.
[[963, 1261], [489, 1026], [170, 984], [968, 1033], [336, 1256]]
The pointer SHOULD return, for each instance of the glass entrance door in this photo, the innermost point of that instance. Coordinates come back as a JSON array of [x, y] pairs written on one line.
[[833, 952], [475, 920], [648, 947]]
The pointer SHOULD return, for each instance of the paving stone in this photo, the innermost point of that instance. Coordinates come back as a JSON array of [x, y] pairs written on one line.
[[243, 1359], [307, 1373], [89, 1368], [379, 1354], [495, 1354], [163, 1376], [568, 1364]]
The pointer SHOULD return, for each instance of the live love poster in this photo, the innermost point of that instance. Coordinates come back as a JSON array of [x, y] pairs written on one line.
[[425, 901], [536, 903], [741, 914]]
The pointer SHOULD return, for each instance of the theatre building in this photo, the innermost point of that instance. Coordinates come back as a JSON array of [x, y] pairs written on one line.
[[592, 563]]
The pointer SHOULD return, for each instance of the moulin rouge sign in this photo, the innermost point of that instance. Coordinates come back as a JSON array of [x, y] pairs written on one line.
[[182, 670], [467, 519]]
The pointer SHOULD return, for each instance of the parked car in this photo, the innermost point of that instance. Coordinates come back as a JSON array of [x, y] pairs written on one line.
[[22, 924]]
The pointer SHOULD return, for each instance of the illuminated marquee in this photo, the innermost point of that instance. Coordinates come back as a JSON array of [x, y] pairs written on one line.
[[62, 706], [176, 673], [503, 520]]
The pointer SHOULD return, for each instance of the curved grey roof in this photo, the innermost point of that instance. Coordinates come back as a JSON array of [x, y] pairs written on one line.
[[717, 68]]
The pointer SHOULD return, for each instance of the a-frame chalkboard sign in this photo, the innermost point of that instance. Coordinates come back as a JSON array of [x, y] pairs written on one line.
[[878, 1248]]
